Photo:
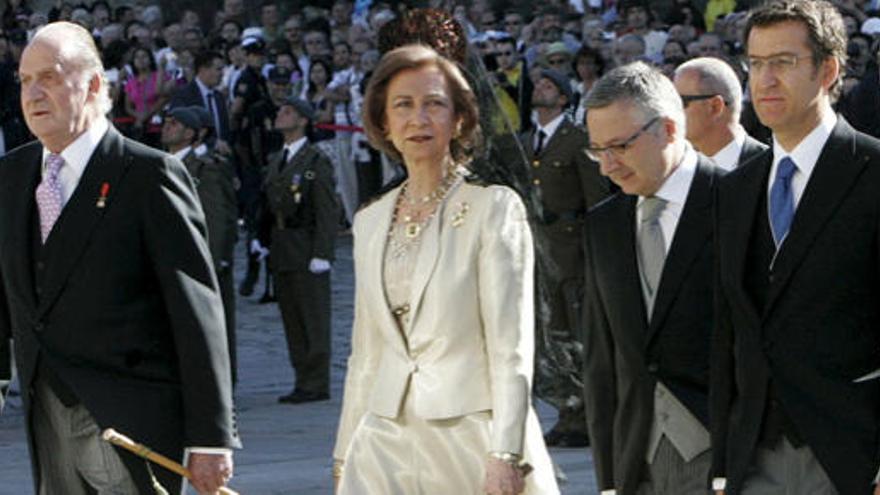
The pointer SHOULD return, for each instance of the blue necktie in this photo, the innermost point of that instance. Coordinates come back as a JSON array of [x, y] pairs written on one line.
[[782, 200]]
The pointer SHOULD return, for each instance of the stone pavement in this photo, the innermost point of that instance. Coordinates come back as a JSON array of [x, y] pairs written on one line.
[[287, 448]]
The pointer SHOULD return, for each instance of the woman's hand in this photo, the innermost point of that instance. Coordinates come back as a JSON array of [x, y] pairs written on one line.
[[503, 478]]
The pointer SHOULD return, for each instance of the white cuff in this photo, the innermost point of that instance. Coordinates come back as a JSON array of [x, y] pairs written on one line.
[[318, 266], [608, 492], [208, 450], [719, 484]]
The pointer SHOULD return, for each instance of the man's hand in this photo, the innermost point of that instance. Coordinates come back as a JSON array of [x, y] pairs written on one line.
[[209, 471], [259, 250]]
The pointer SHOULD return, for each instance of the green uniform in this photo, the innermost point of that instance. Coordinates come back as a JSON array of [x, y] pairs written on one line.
[[303, 214]]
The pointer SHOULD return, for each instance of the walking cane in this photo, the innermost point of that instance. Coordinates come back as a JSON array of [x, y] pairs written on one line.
[[143, 451]]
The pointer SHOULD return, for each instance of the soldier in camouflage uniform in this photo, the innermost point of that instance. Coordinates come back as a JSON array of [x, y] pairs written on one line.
[[566, 183], [183, 135], [300, 226]]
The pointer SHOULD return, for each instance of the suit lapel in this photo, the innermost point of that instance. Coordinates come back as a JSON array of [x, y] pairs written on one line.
[[375, 246], [619, 248], [688, 243], [751, 149], [837, 170], [79, 218], [429, 253], [21, 242], [746, 185]]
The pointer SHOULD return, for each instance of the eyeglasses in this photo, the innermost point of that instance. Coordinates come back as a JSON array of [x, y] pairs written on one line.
[[687, 99], [777, 63], [617, 150], [504, 54]]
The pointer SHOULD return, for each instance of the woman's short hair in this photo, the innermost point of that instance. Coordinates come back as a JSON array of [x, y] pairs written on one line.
[[464, 102]]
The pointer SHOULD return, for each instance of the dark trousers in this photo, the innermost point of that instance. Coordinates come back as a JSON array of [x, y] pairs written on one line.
[[304, 300], [227, 293]]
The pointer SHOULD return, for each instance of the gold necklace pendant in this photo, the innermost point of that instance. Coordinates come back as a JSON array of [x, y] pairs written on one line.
[[412, 230]]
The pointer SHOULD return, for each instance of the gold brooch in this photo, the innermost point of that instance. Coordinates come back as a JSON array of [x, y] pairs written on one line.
[[458, 216]]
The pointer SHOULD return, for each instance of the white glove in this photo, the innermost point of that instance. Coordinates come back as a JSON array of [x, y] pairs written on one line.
[[257, 248], [319, 266]]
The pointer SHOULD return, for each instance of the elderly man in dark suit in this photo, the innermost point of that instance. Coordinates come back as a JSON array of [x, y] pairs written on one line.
[[795, 401], [648, 290], [108, 288], [712, 97], [565, 183]]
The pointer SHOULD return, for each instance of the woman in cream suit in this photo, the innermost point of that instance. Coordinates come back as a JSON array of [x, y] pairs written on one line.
[[437, 397]]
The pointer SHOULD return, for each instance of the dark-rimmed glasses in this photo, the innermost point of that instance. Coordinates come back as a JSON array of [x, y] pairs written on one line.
[[617, 150], [687, 99]]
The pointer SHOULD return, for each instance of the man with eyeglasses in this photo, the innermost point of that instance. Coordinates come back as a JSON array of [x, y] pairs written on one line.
[[795, 392], [648, 290], [712, 97], [566, 183]]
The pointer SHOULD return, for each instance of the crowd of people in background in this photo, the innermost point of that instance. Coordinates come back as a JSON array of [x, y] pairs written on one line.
[[243, 63]]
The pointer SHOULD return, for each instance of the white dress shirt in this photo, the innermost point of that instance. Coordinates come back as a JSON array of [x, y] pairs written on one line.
[[805, 155], [549, 129], [728, 156], [674, 191], [76, 156], [294, 147]]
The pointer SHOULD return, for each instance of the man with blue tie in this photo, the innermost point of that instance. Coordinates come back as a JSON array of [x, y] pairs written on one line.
[[795, 407]]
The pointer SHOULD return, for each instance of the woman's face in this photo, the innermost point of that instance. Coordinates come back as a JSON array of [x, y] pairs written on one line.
[[673, 50], [318, 74], [586, 68], [141, 61], [419, 114]]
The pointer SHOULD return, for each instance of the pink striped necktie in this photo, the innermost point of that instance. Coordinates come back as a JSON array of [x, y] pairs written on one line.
[[49, 201]]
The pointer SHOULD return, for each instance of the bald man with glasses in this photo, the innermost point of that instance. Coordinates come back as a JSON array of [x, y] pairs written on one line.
[[712, 97]]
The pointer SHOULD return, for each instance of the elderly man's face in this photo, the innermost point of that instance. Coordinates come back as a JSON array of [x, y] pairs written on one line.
[[54, 94]]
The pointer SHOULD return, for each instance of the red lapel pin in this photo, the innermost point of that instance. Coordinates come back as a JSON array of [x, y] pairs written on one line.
[[102, 200]]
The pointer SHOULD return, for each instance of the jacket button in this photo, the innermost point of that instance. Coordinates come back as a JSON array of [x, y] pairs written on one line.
[[536, 182], [652, 368]]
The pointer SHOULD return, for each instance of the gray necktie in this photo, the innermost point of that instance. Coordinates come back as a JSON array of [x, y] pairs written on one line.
[[651, 249]]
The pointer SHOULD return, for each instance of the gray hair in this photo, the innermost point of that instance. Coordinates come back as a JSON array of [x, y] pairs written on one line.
[[715, 76], [643, 86], [78, 51]]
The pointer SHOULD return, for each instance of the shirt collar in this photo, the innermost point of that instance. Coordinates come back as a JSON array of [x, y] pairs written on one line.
[[77, 154], [728, 156], [806, 153], [181, 153], [551, 126], [204, 89], [674, 189], [294, 147]]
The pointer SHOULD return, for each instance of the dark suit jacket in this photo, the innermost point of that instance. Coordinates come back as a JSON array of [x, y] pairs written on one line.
[[751, 149], [820, 327], [624, 355], [190, 95], [128, 315]]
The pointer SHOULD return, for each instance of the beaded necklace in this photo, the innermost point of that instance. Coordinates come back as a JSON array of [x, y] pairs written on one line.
[[411, 226]]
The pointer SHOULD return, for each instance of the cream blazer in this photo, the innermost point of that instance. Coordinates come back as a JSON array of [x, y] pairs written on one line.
[[469, 342]]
